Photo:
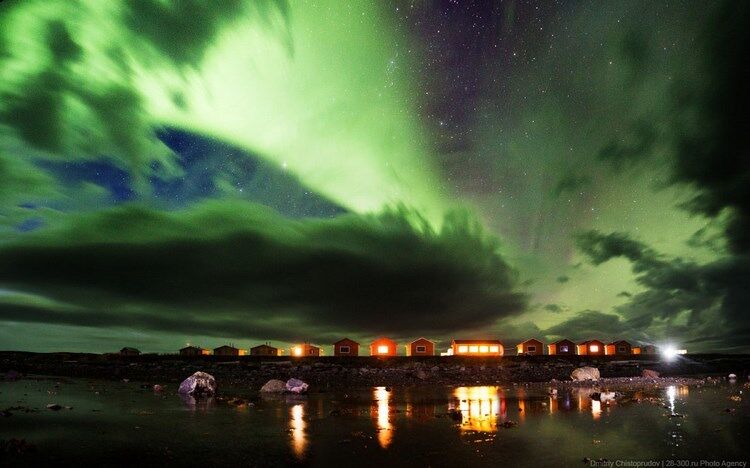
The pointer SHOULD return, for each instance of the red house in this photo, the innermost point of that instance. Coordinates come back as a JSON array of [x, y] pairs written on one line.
[[562, 347], [590, 348], [532, 347], [383, 347], [346, 347], [305, 349], [619, 348], [421, 347]]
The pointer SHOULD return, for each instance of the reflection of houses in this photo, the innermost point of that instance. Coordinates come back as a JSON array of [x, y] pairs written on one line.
[[420, 347], [194, 351], [229, 351], [590, 348], [479, 407], [383, 347], [530, 347], [562, 347], [126, 351], [305, 349], [264, 350], [477, 348], [346, 347], [618, 348]]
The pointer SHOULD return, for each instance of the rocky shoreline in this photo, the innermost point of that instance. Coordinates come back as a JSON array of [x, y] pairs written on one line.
[[329, 373]]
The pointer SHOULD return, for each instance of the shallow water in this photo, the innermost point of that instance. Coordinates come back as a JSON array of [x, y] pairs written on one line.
[[115, 423]]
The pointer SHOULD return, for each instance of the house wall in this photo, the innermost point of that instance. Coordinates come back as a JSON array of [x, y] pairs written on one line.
[[353, 348], [411, 348], [383, 342], [457, 348]]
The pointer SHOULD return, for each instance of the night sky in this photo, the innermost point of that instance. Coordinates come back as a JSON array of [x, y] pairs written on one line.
[[238, 172]]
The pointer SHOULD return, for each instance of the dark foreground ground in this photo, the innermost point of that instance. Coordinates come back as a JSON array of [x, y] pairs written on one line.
[[332, 373]]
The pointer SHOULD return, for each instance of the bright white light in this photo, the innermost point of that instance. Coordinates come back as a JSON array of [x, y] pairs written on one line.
[[669, 353], [382, 349]]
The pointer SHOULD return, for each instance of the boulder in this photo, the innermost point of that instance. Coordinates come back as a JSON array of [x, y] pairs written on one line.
[[198, 385], [585, 373], [273, 386], [650, 374], [296, 386]]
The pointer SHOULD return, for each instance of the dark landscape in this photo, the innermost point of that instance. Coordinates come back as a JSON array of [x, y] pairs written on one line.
[[324, 373]]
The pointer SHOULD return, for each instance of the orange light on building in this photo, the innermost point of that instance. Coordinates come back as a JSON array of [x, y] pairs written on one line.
[[382, 349], [477, 347], [297, 350], [594, 348]]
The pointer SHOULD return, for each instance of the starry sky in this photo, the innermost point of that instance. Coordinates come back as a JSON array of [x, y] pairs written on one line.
[[180, 172]]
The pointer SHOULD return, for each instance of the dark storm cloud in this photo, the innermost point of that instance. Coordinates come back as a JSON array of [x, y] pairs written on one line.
[[570, 183], [712, 294], [57, 107], [228, 261], [183, 29], [590, 324], [704, 125]]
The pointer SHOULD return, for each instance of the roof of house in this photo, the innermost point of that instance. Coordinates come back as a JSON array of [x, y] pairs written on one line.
[[191, 347], [383, 338], [422, 339], [226, 346], [529, 340], [589, 341], [127, 348], [564, 340], [346, 340], [477, 342], [619, 342], [264, 346]]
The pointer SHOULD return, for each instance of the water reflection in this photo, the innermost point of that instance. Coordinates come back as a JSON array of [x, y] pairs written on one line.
[[297, 427], [479, 407], [381, 413], [202, 405]]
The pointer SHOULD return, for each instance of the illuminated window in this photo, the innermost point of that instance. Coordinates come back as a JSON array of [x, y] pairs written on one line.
[[483, 348], [473, 349], [344, 349], [494, 349], [463, 349], [383, 349], [421, 349], [564, 348], [298, 351], [594, 348], [311, 351]]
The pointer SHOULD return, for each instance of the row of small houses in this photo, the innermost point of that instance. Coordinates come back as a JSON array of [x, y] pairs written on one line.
[[424, 347]]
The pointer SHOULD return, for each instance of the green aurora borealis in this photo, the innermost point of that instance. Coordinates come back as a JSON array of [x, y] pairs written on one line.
[[505, 169]]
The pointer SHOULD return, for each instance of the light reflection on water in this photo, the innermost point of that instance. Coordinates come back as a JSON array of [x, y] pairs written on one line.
[[479, 407], [297, 427], [381, 413], [441, 424]]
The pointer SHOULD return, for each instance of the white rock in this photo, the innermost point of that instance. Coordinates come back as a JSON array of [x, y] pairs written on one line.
[[732, 376], [585, 373], [273, 386], [296, 386], [198, 384]]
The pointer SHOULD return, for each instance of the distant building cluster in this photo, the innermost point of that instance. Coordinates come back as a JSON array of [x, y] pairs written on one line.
[[385, 347]]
